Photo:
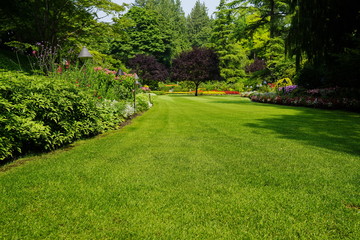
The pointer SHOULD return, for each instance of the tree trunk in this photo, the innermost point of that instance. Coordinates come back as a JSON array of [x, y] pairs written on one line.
[[196, 88], [272, 19]]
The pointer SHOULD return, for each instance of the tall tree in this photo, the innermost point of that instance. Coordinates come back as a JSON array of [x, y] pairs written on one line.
[[328, 33], [270, 12], [199, 25], [261, 27], [143, 35], [149, 70], [232, 55], [174, 22], [197, 65], [49, 21]]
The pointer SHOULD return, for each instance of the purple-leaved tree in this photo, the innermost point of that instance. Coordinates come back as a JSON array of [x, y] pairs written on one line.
[[197, 65], [149, 70]]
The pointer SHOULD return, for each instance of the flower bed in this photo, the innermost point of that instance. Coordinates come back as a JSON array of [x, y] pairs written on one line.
[[317, 98], [213, 92]]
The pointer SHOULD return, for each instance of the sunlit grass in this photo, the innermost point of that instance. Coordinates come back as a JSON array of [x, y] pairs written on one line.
[[209, 167]]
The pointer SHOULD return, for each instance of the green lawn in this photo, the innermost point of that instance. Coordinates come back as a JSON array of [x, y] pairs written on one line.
[[207, 167]]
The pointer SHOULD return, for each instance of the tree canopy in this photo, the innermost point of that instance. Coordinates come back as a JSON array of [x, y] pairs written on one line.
[[197, 65], [327, 32], [149, 70], [50, 21], [143, 36], [315, 43], [199, 25]]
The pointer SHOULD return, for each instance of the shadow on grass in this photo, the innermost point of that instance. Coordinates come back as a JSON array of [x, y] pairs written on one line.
[[334, 130]]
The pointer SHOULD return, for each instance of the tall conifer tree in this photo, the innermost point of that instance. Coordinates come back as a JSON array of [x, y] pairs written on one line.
[[198, 24]]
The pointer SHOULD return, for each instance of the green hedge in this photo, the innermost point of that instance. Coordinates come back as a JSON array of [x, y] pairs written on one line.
[[39, 113]]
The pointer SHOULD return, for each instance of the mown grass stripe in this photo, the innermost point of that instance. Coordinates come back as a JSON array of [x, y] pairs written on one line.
[[196, 168]]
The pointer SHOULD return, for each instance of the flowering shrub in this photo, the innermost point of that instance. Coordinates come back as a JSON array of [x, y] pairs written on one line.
[[231, 92], [212, 92], [248, 94], [271, 85], [309, 101], [287, 89], [145, 88], [40, 113], [324, 92], [102, 82]]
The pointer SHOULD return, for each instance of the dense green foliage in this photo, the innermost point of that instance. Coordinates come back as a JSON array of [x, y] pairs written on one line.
[[195, 168], [41, 113], [38, 113], [199, 25], [330, 38], [50, 21], [241, 32], [144, 36], [232, 56]]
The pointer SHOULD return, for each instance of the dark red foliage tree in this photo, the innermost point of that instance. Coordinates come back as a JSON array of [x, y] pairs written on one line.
[[149, 70], [197, 65]]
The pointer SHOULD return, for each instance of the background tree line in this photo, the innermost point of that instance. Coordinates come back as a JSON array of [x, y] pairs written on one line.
[[314, 42]]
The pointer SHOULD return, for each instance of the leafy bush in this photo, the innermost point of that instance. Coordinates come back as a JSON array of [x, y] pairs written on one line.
[[40, 113], [284, 82], [158, 92], [101, 81], [143, 102]]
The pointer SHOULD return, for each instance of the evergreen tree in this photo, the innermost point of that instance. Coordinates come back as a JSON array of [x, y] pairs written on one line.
[[174, 22], [261, 26], [328, 33], [270, 13], [198, 25], [232, 55], [143, 35]]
